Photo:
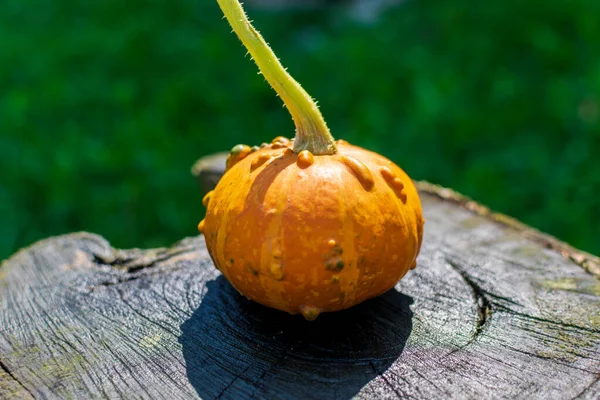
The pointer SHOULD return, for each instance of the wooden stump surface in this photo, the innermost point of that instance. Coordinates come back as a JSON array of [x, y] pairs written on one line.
[[494, 309]]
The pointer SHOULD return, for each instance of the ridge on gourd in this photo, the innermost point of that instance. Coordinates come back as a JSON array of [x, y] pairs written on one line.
[[310, 224]]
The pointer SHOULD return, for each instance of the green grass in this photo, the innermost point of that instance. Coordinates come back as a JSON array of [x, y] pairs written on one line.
[[105, 105]]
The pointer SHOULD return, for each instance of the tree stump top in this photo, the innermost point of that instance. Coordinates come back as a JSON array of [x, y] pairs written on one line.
[[494, 309]]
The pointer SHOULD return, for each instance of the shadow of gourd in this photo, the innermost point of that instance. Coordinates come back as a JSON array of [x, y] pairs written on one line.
[[235, 348]]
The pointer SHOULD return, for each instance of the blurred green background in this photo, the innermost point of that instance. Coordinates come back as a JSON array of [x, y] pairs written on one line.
[[105, 105]]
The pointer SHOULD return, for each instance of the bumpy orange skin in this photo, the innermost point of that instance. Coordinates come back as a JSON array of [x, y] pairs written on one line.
[[306, 234]]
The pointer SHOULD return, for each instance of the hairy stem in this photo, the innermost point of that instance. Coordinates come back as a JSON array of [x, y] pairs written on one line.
[[311, 130]]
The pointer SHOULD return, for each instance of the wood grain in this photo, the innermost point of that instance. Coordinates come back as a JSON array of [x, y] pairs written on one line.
[[490, 311]]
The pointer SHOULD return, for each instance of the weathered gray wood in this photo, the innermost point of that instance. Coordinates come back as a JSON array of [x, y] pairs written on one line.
[[493, 310]]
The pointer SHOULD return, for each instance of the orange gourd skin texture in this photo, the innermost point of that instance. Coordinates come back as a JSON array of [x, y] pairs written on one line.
[[307, 233]]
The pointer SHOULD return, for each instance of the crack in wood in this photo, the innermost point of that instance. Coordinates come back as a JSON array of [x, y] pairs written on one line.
[[5, 368], [132, 277], [588, 387], [120, 280], [135, 260], [553, 359], [482, 303], [135, 263], [220, 395], [284, 354], [548, 321], [386, 380]]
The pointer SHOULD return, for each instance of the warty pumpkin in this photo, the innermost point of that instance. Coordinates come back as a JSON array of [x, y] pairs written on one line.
[[310, 224]]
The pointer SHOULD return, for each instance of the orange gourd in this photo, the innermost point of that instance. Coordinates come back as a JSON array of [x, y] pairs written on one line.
[[308, 225]]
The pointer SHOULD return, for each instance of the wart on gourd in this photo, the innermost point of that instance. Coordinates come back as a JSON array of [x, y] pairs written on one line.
[[320, 225]]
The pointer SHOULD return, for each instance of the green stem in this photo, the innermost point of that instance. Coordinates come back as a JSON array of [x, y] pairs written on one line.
[[311, 130]]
